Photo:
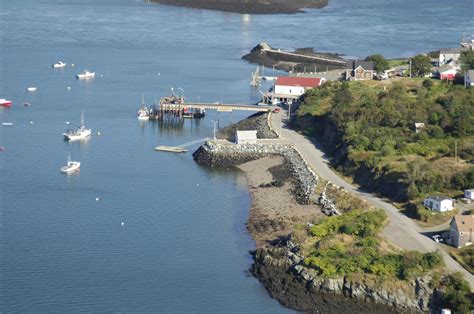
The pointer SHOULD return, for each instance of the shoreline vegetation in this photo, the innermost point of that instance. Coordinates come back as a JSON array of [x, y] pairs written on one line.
[[310, 262], [368, 129], [248, 6]]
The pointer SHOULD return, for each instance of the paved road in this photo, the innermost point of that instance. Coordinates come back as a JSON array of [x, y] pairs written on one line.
[[401, 231]]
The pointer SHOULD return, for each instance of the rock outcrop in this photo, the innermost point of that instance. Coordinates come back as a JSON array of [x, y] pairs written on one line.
[[286, 278]]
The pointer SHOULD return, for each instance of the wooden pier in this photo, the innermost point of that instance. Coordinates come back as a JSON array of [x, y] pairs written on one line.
[[175, 106]]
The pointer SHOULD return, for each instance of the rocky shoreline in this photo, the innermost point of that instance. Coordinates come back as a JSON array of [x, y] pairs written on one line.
[[249, 6]]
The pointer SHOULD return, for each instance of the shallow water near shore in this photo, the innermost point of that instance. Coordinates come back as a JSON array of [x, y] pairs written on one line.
[[183, 246]]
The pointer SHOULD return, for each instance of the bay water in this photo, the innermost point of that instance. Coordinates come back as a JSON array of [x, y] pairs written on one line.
[[137, 230]]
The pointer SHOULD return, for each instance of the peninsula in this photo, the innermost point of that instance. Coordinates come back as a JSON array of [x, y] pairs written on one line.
[[249, 6]]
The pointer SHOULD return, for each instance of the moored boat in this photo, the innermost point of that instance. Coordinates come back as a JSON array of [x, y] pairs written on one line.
[[32, 89], [80, 132], [5, 103], [85, 75], [71, 166], [59, 64], [143, 113]]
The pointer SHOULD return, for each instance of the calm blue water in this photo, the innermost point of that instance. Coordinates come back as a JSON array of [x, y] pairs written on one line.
[[183, 246]]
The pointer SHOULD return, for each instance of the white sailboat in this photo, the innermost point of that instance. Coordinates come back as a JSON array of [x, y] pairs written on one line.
[[143, 113], [79, 133]]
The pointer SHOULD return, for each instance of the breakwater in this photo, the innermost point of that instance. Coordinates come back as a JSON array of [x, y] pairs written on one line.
[[226, 155]]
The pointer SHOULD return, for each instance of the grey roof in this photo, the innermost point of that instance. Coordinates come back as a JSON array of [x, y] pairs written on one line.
[[450, 50], [445, 67], [354, 64], [471, 74], [439, 198], [470, 190]]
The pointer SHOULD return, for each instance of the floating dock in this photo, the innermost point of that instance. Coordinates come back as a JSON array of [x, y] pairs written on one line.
[[170, 149]]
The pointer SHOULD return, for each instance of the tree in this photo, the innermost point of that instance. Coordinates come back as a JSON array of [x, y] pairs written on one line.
[[420, 65], [380, 63], [467, 60]]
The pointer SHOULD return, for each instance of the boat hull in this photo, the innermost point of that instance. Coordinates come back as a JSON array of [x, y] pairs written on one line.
[[6, 104], [71, 168], [74, 137]]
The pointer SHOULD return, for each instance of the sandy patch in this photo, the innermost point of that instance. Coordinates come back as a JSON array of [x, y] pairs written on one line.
[[274, 211]]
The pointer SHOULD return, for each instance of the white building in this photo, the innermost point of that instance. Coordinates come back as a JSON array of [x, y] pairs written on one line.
[[246, 137], [449, 54], [288, 89], [469, 194], [439, 204], [469, 78]]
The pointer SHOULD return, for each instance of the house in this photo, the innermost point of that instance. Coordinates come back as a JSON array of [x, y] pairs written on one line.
[[448, 55], [469, 194], [461, 230], [289, 89], [357, 70], [246, 137], [469, 78], [446, 72], [439, 204]]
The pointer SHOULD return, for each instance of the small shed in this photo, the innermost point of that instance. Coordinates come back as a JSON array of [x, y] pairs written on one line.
[[419, 126], [246, 137], [469, 194], [439, 204]]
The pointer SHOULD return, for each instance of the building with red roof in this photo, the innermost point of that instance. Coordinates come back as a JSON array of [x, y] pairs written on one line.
[[290, 88]]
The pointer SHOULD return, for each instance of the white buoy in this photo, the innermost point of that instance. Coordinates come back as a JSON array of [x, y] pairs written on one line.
[[31, 122], [98, 133], [123, 224], [97, 199], [197, 184], [102, 75], [72, 64], [159, 74], [69, 87]]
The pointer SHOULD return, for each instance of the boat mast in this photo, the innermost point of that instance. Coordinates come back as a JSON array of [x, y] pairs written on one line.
[[82, 118]]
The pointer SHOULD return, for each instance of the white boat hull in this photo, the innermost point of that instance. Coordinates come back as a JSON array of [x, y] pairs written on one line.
[[72, 166], [143, 118], [31, 89], [57, 65], [74, 137], [85, 76]]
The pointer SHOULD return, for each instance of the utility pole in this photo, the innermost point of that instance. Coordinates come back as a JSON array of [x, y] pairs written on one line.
[[410, 67], [455, 151]]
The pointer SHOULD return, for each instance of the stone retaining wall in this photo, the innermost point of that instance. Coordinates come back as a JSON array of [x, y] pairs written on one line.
[[226, 155]]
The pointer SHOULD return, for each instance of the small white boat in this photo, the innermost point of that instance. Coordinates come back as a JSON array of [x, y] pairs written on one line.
[[72, 166], [32, 89], [59, 64], [80, 132], [5, 102], [7, 123], [85, 75], [143, 113]]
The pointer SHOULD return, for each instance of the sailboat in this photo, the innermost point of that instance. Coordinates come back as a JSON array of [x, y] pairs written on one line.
[[79, 133], [143, 113], [71, 166]]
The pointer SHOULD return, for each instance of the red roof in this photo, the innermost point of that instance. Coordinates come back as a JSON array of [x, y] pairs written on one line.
[[299, 81]]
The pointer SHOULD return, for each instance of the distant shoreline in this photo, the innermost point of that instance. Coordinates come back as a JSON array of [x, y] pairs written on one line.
[[249, 6]]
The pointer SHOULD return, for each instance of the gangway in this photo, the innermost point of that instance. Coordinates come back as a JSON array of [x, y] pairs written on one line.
[[181, 148]]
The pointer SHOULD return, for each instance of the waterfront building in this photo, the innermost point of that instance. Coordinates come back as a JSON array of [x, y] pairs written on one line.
[[439, 204], [461, 231], [357, 70], [289, 89], [446, 72]]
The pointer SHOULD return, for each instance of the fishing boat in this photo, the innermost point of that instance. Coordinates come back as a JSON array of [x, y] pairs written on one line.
[[31, 89], [7, 123], [80, 132], [59, 64], [194, 113], [71, 166], [85, 75], [143, 113], [5, 103]]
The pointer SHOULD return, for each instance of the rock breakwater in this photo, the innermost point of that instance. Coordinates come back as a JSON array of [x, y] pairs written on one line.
[[226, 155]]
